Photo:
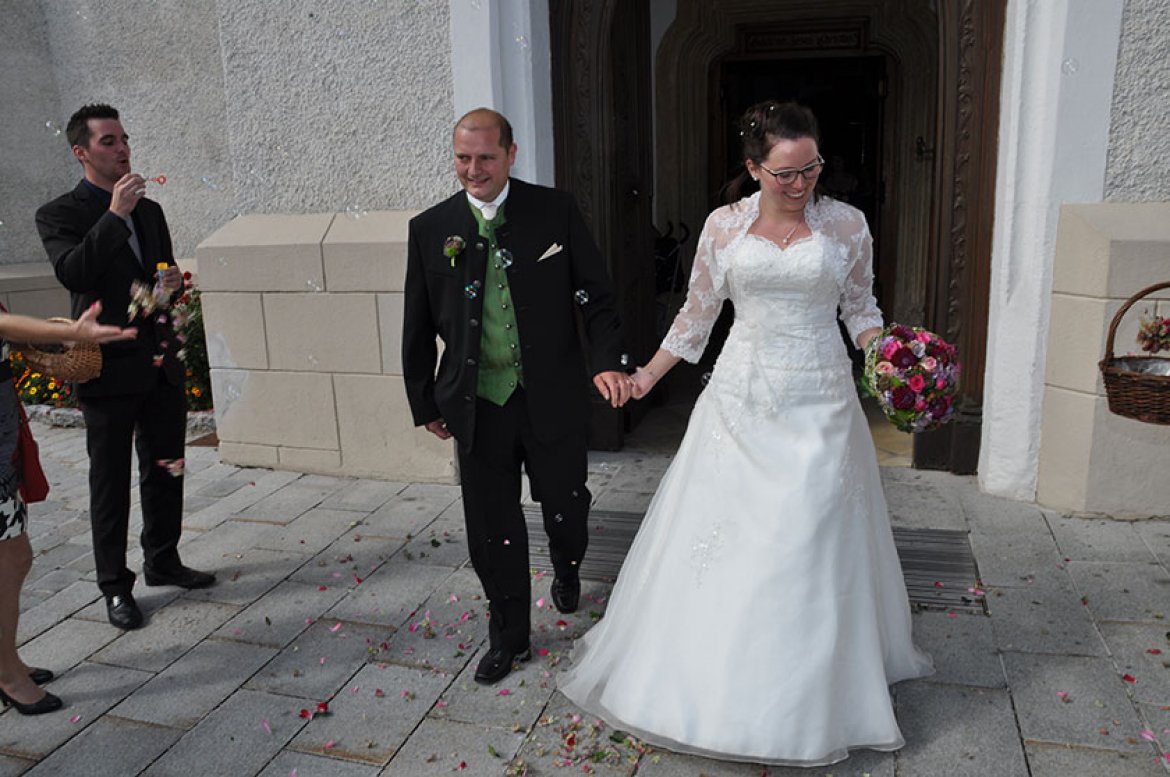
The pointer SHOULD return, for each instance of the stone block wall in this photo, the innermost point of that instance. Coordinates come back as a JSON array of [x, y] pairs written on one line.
[[304, 327], [1090, 459]]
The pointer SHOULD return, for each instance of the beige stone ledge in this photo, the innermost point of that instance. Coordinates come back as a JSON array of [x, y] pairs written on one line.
[[1112, 249], [1066, 436], [265, 252], [367, 253]]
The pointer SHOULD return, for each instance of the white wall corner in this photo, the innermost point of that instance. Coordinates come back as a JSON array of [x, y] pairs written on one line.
[[501, 59], [1060, 60]]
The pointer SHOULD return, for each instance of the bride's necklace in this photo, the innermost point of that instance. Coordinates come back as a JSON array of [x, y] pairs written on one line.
[[788, 238]]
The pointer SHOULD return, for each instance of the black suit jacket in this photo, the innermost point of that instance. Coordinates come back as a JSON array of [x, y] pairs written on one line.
[[90, 250], [543, 293]]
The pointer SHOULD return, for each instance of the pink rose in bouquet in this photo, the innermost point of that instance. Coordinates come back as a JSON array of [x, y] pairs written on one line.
[[914, 374]]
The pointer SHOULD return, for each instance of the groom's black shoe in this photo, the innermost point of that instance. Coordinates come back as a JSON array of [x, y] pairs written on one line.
[[566, 593], [497, 664]]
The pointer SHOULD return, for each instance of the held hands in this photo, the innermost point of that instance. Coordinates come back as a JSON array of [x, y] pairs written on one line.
[[129, 189], [614, 386], [87, 328]]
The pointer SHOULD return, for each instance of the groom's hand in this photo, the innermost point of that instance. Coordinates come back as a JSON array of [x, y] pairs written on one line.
[[614, 386], [438, 427]]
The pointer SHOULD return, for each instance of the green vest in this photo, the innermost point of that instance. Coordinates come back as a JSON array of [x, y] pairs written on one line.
[[499, 344]]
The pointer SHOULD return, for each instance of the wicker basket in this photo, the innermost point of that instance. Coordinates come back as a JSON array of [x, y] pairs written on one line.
[[80, 362], [1138, 387]]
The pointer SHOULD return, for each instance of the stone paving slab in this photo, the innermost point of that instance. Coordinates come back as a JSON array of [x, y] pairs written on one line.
[[290, 502], [1142, 651], [14, 767], [408, 512], [1043, 620], [446, 628], [238, 738], [1119, 591], [245, 576], [373, 715], [56, 608], [269, 482], [67, 644], [1097, 539], [1156, 535], [363, 496], [279, 616], [958, 732], [149, 601], [1095, 711], [442, 747], [288, 762], [319, 663], [390, 594], [195, 684], [111, 746], [1047, 760], [89, 691], [516, 701], [963, 649], [352, 557], [172, 631]]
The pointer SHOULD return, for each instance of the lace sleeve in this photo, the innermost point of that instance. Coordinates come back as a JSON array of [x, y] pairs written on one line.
[[706, 292], [859, 309]]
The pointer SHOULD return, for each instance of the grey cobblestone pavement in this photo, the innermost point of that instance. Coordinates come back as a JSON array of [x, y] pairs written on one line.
[[358, 594]]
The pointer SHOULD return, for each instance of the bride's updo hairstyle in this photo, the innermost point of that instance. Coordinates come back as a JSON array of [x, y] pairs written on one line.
[[760, 127]]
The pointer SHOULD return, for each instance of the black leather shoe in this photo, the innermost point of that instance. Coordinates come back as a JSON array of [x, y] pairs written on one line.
[[497, 664], [40, 676], [47, 703], [566, 593], [123, 612], [181, 576]]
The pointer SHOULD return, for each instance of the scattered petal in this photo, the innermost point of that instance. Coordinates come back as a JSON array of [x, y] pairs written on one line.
[[329, 744], [1148, 735], [540, 603], [504, 692], [267, 728], [322, 707], [1129, 678], [335, 627], [1154, 652], [75, 718], [542, 652]]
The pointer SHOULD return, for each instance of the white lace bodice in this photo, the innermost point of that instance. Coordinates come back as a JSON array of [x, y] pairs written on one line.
[[804, 284], [785, 340]]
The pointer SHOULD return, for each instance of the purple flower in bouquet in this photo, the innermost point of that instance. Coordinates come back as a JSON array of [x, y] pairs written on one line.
[[914, 374]]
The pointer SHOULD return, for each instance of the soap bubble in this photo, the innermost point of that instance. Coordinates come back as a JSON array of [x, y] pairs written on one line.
[[313, 285], [53, 127], [1070, 66], [581, 296]]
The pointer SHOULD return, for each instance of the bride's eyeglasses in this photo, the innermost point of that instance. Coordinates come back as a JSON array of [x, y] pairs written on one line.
[[809, 172]]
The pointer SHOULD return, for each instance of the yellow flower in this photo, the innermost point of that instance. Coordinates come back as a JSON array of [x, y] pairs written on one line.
[[56, 395], [194, 391], [33, 391]]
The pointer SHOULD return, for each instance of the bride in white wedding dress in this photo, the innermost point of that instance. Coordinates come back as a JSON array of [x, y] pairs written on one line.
[[761, 614]]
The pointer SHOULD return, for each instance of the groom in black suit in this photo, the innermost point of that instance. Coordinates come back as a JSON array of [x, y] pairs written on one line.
[[500, 271], [101, 237]]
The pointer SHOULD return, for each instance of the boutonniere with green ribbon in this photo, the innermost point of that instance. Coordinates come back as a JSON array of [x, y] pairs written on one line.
[[453, 246]]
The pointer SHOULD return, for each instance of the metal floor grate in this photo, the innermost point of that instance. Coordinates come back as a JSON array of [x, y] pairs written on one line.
[[938, 565]]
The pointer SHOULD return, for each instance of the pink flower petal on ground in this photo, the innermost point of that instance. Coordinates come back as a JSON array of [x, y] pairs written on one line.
[[542, 652], [335, 627], [322, 660], [440, 704], [1129, 678], [293, 773], [322, 588], [1154, 652], [336, 574], [75, 718], [952, 614], [308, 621], [354, 689], [504, 692], [1148, 735], [937, 584], [454, 598], [329, 744], [540, 603], [357, 579], [267, 728]]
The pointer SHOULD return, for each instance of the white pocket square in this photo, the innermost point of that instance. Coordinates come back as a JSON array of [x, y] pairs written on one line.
[[552, 250]]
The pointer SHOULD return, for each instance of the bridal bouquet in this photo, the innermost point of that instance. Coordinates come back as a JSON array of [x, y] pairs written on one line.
[[914, 374]]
